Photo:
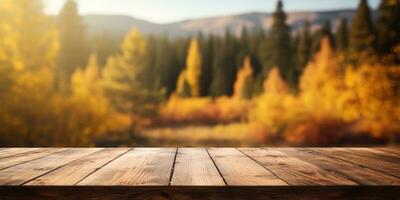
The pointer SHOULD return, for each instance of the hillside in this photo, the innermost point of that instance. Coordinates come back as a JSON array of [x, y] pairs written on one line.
[[118, 25]]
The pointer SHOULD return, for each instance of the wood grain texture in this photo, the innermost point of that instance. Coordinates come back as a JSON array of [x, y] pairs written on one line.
[[77, 170], [391, 167], [354, 172], [9, 152], [394, 150], [239, 170], [293, 170], [139, 166], [375, 154], [193, 166], [189, 168], [25, 172], [26, 156]]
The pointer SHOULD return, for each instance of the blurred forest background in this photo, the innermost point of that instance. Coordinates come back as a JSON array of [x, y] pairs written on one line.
[[314, 87]]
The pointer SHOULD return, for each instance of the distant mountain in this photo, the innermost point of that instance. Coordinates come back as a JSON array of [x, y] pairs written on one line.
[[119, 25]]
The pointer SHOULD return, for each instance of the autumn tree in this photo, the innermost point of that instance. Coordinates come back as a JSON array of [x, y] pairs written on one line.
[[124, 79], [193, 68], [362, 35], [274, 82], [28, 48], [372, 96], [321, 79], [244, 81], [192, 73], [89, 102], [388, 26], [72, 44], [272, 107]]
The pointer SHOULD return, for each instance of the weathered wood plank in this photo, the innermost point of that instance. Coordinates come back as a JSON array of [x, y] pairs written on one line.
[[139, 166], [354, 172], [293, 170], [9, 152], [26, 156], [193, 166], [77, 170], [394, 150], [239, 170], [25, 172], [364, 159], [375, 154]]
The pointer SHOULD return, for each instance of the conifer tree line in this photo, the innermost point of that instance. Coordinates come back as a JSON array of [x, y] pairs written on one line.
[[207, 65], [223, 56]]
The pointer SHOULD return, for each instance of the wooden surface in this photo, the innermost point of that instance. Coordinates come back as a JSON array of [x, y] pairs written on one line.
[[176, 173]]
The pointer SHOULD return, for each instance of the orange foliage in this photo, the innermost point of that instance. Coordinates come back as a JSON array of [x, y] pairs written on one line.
[[274, 82], [334, 105], [202, 111], [192, 72], [321, 83], [373, 94], [274, 108], [244, 81]]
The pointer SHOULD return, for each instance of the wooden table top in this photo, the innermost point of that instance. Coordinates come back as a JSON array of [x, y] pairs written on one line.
[[170, 167]]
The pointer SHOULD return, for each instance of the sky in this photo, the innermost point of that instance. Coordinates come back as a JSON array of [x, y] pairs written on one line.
[[167, 11]]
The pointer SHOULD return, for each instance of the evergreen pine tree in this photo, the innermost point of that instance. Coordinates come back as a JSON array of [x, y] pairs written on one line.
[[161, 63], [177, 63], [342, 35], [245, 41], [304, 48], [243, 45], [103, 45], [278, 47], [208, 58], [72, 44], [151, 72], [224, 67], [388, 25], [361, 34], [324, 32], [257, 40], [327, 32]]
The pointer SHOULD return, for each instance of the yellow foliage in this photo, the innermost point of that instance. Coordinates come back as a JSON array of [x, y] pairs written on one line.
[[124, 78], [244, 80], [192, 72], [373, 94], [87, 82], [204, 110], [274, 83], [29, 39], [321, 84], [181, 82], [332, 103], [275, 107], [134, 48]]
